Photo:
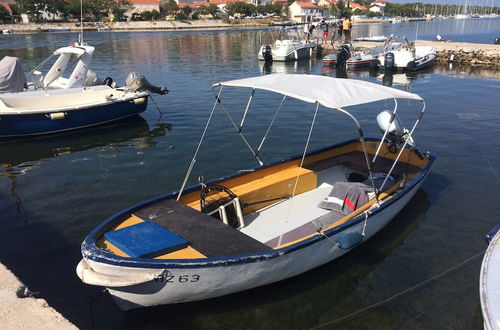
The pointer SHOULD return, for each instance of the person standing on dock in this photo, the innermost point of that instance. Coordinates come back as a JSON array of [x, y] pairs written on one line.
[[324, 27], [346, 27], [306, 32]]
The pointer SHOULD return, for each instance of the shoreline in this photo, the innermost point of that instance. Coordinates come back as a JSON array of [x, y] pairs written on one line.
[[447, 52], [19, 309]]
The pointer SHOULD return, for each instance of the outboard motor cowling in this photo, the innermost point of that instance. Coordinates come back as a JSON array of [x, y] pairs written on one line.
[[267, 53], [137, 82], [389, 63], [343, 55], [396, 133]]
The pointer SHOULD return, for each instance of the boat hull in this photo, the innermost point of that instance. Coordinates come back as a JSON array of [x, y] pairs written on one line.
[[192, 280], [25, 124], [488, 284], [285, 54]]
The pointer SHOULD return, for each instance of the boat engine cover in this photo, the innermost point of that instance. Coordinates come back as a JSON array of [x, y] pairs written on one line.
[[12, 78], [267, 53], [137, 82], [389, 63]]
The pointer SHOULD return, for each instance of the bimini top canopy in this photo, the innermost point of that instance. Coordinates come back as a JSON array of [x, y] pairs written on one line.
[[330, 92]]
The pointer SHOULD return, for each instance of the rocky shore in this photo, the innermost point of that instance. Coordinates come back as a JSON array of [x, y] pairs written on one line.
[[484, 55]]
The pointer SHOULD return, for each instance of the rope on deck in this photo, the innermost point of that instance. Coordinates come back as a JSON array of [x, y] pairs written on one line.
[[402, 293]]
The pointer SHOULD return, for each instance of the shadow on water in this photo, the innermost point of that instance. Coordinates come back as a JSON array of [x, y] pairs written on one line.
[[308, 300], [43, 260], [33, 248]]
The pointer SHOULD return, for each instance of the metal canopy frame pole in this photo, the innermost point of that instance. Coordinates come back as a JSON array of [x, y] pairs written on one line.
[[238, 129], [246, 110], [363, 144], [298, 172], [271, 124], [193, 161], [386, 130], [404, 144]]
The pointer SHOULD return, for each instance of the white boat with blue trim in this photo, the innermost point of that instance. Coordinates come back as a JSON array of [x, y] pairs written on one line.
[[270, 222], [287, 45], [489, 287], [67, 96]]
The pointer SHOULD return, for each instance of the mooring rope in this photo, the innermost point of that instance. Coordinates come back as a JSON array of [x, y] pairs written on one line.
[[402, 293]]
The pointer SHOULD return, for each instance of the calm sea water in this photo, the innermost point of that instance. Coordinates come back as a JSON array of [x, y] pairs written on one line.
[[54, 190]]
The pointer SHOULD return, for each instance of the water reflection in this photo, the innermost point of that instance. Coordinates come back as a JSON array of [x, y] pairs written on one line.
[[291, 67], [19, 156]]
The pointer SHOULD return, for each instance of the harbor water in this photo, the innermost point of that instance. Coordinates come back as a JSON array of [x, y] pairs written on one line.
[[54, 190]]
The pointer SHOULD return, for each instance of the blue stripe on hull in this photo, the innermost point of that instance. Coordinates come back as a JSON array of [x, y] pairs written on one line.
[[34, 124]]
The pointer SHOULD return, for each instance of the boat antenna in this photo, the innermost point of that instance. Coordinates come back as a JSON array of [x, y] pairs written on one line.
[[80, 37]]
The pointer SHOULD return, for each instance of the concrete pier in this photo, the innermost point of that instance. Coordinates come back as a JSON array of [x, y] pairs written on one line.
[[25, 313]]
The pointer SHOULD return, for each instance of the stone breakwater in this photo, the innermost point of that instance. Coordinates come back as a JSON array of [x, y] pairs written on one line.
[[484, 55]]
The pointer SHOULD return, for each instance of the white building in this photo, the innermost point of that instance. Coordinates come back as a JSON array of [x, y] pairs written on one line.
[[378, 6], [301, 11]]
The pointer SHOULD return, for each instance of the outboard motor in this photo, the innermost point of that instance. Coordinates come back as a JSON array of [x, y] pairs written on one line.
[[342, 55], [396, 133], [389, 63], [137, 82], [267, 53], [411, 66]]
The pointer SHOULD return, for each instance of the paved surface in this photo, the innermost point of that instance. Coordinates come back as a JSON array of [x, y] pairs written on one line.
[[25, 313]]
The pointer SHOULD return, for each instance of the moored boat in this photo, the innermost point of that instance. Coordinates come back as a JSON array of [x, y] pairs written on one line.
[[287, 46], [409, 57], [364, 60], [489, 289], [372, 38], [67, 96], [339, 58], [270, 222]]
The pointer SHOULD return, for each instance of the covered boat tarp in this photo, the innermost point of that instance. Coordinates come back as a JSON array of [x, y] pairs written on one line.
[[12, 78], [330, 92]]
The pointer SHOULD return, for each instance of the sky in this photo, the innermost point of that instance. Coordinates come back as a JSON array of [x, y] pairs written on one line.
[[482, 3]]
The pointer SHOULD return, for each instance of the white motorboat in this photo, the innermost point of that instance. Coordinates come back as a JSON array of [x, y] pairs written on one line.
[[287, 45], [409, 57], [65, 97], [270, 222], [372, 39], [489, 286]]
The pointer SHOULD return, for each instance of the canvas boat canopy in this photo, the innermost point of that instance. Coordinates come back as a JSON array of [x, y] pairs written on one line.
[[330, 92]]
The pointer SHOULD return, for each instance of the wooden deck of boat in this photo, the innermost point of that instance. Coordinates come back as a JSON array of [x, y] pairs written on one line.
[[205, 234]]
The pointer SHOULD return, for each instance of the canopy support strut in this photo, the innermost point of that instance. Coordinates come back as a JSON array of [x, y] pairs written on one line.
[[298, 172], [193, 161], [365, 152]]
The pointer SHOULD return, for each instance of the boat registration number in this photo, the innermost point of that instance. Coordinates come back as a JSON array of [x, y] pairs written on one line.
[[168, 277]]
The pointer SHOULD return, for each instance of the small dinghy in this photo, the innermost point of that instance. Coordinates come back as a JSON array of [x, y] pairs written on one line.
[[67, 96], [409, 57], [338, 59], [287, 46], [270, 222], [489, 288], [364, 60], [372, 39]]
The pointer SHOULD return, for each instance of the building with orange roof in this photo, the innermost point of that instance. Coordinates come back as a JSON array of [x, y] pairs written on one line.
[[356, 7], [140, 6], [303, 11]]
